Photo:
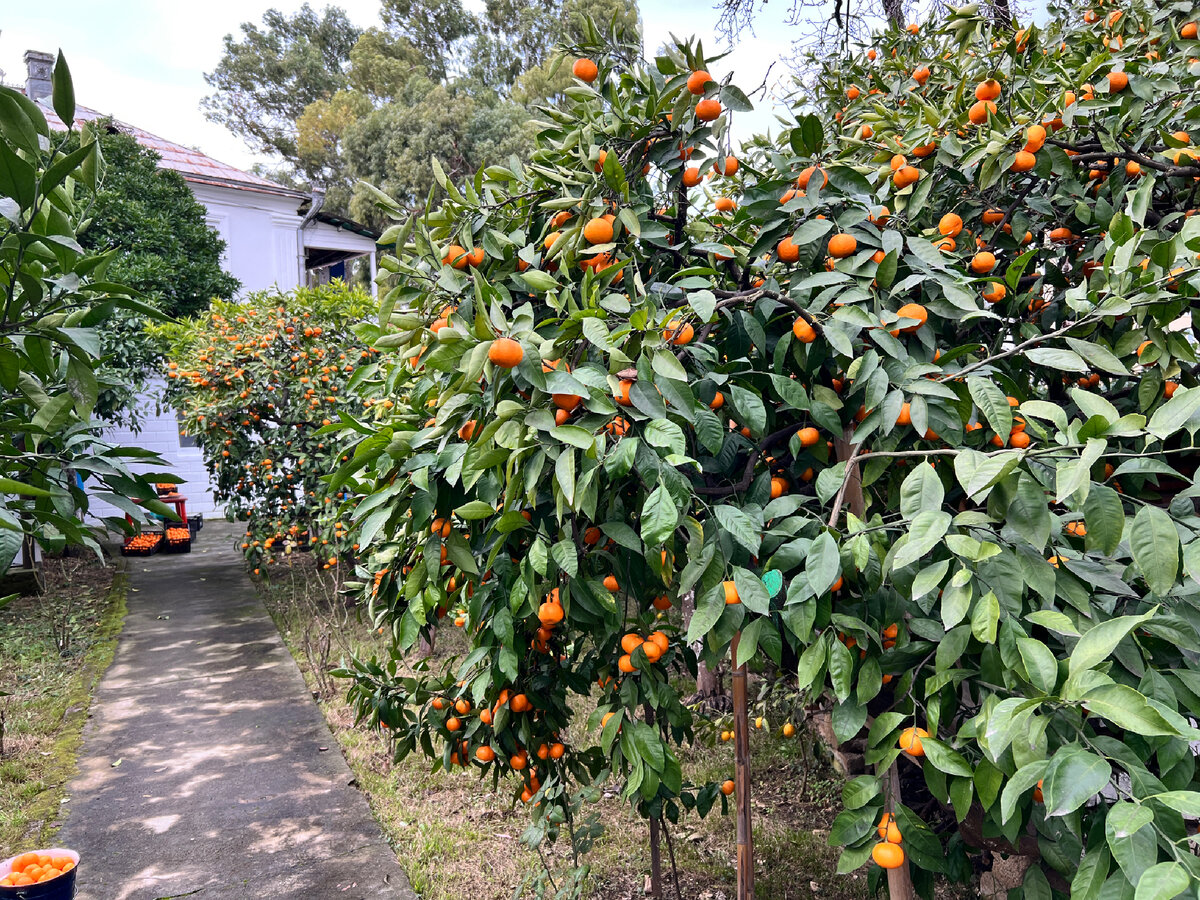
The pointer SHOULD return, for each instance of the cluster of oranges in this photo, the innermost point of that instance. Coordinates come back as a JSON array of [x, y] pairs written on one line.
[[652, 647], [178, 534], [36, 868], [146, 541], [888, 853]]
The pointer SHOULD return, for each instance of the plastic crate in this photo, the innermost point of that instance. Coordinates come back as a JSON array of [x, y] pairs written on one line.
[[135, 547], [178, 539]]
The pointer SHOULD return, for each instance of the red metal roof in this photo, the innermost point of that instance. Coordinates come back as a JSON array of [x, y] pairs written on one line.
[[191, 164]]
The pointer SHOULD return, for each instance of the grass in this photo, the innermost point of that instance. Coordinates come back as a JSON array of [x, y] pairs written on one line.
[[53, 650], [458, 839]]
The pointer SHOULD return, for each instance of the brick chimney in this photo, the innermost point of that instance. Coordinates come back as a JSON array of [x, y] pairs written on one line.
[[39, 67]]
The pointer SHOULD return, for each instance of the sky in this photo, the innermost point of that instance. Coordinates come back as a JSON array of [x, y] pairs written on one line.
[[143, 61]]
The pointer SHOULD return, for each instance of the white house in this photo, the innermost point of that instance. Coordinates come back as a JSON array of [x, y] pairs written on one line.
[[274, 237]]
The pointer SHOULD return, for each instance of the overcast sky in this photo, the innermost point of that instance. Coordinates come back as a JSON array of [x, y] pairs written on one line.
[[143, 61]]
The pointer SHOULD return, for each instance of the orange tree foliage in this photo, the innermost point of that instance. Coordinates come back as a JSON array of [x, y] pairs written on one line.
[[917, 401], [258, 383]]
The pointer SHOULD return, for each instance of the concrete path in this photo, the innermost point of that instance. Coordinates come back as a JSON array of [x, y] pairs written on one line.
[[207, 770]]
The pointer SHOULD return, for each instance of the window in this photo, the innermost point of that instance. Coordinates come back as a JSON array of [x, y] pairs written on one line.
[[185, 439]]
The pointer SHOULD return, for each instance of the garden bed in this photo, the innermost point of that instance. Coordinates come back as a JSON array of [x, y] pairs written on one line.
[[53, 650], [458, 839]]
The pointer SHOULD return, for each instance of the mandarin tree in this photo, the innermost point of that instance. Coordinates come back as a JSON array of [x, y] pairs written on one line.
[[891, 393], [257, 382]]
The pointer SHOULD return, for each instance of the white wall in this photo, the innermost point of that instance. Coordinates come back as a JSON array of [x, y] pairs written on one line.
[[262, 244], [160, 433], [262, 250]]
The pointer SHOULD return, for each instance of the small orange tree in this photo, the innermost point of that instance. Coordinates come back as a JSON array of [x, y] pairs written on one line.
[[258, 383], [907, 389]]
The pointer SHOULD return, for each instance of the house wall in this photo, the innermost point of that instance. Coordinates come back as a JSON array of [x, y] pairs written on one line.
[[262, 243], [262, 250], [160, 433]]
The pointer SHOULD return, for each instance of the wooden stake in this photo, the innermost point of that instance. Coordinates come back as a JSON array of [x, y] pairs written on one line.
[[900, 886], [655, 851], [655, 862], [741, 780]]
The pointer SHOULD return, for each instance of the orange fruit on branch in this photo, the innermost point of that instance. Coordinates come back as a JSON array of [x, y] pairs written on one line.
[[950, 225], [506, 353], [983, 262], [913, 311], [585, 70], [887, 855], [988, 90], [803, 331], [910, 740], [808, 436], [708, 109], [842, 245], [697, 80], [598, 231], [678, 333], [731, 593], [788, 251]]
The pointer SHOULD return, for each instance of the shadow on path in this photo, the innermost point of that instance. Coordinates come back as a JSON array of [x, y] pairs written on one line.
[[206, 766]]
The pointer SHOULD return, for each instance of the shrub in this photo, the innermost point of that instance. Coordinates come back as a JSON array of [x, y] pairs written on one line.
[[258, 384]]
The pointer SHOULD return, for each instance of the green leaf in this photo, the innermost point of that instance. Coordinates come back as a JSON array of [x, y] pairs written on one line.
[[1162, 882], [985, 616], [735, 99], [476, 509], [1039, 663], [709, 606], [823, 566], [928, 528], [1092, 872], [9, 486], [993, 403], [921, 490], [752, 591], [841, 670], [1155, 545], [574, 435], [1100, 357], [1131, 839], [1099, 641], [1073, 777], [1027, 512], [659, 516], [1185, 802], [63, 91], [739, 526], [858, 792], [987, 782], [1056, 358], [1128, 709], [1023, 780], [1169, 417], [946, 760], [1104, 517]]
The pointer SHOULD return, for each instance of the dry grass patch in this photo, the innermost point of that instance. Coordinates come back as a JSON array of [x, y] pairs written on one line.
[[53, 650], [459, 840]]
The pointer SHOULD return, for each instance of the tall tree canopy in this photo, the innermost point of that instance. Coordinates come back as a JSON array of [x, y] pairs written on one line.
[[264, 81], [338, 106]]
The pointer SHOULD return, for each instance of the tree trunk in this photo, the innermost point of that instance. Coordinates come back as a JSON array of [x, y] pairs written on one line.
[[708, 682], [894, 10]]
